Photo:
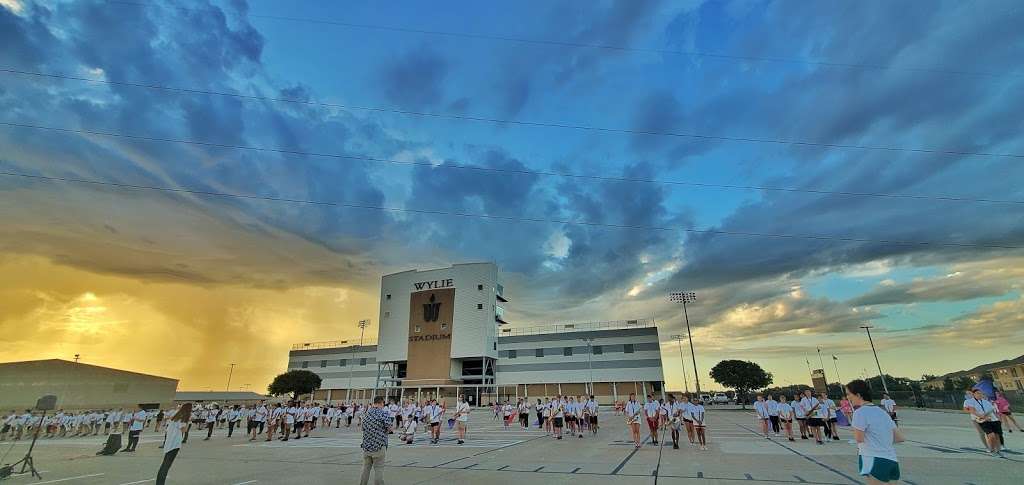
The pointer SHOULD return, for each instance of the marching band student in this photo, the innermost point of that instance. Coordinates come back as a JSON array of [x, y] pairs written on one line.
[[173, 438], [800, 413], [651, 411], [890, 407], [497, 411], [210, 418], [570, 415], [310, 421], [546, 411], [663, 413], [557, 416], [539, 410], [687, 417], [785, 415], [591, 410], [433, 413], [761, 408], [633, 410], [275, 421], [832, 422], [875, 434], [8, 426], [108, 421], [396, 422], [817, 418], [675, 418], [126, 420], [699, 425], [461, 418], [524, 414], [350, 411], [234, 417], [159, 420], [137, 423], [506, 414], [773, 413], [984, 413], [259, 420]]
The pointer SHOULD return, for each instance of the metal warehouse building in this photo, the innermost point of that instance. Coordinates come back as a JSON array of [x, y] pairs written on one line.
[[81, 386]]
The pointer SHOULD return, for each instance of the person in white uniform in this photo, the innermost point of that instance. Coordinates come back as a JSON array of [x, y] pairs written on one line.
[[461, 419], [875, 433]]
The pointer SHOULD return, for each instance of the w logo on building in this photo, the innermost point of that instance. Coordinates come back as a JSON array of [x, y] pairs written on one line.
[[431, 310]]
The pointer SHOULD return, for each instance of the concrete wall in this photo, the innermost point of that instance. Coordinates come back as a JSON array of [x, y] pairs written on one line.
[[473, 327], [80, 386], [612, 364]]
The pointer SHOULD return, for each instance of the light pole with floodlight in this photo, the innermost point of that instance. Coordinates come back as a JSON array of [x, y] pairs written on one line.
[[590, 363], [685, 297], [682, 363], [880, 374], [352, 361]]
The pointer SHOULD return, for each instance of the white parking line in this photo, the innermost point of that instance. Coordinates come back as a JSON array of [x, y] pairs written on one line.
[[70, 478], [140, 481], [246, 483]]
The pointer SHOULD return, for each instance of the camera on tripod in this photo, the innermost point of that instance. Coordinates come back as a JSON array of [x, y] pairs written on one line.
[[44, 404]]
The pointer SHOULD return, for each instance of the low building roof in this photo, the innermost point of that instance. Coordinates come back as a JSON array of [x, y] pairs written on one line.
[[218, 396], [61, 363]]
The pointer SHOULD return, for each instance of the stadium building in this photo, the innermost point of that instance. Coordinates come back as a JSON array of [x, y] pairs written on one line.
[[442, 333]]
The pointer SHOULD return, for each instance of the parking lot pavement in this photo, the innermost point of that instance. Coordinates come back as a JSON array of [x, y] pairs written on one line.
[[941, 448]]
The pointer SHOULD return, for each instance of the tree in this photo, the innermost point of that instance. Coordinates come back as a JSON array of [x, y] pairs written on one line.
[[295, 382], [742, 376]]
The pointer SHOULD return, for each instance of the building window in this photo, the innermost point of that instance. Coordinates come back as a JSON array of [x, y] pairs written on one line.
[[416, 329], [388, 297], [444, 326], [567, 351], [511, 354], [479, 306], [480, 287], [305, 364], [540, 353], [362, 361], [323, 363], [495, 345], [387, 314], [342, 363], [627, 348], [598, 350]]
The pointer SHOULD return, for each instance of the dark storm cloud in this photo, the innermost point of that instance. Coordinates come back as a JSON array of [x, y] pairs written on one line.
[[198, 47], [870, 107], [415, 79]]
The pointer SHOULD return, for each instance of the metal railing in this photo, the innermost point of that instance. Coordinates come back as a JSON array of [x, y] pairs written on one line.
[[332, 344], [577, 327]]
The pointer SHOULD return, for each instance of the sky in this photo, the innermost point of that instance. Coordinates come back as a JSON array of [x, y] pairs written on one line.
[[603, 154]]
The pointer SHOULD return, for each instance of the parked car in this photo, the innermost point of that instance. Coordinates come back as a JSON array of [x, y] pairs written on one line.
[[705, 399], [720, 398]]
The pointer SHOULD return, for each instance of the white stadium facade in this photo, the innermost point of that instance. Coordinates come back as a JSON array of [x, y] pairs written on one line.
[[442, 333]]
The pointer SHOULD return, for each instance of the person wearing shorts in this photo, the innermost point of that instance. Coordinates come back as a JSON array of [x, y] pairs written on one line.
[[875, 433], [591, 407], [817, 418], [761, 409], [557, 416], [984, 413]]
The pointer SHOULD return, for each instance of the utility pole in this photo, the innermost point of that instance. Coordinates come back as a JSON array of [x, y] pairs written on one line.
[[352, 361], [682, 363], [77, 356], [685, 297], [230, 372], [880, 374]]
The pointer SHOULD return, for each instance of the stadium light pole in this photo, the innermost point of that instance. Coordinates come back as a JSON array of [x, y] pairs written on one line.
[[590, 363], [685, 297], [885, 386], [230, 372], [352, 360], [682, 363]]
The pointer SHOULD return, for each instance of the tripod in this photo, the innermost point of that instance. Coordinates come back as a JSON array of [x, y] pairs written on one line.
[[26, 462]]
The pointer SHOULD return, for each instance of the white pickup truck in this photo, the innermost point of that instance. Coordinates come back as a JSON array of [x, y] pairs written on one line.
[[720, 398]]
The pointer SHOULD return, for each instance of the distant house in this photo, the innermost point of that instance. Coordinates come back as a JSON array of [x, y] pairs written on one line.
[[1008, 375], [81, 386]]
